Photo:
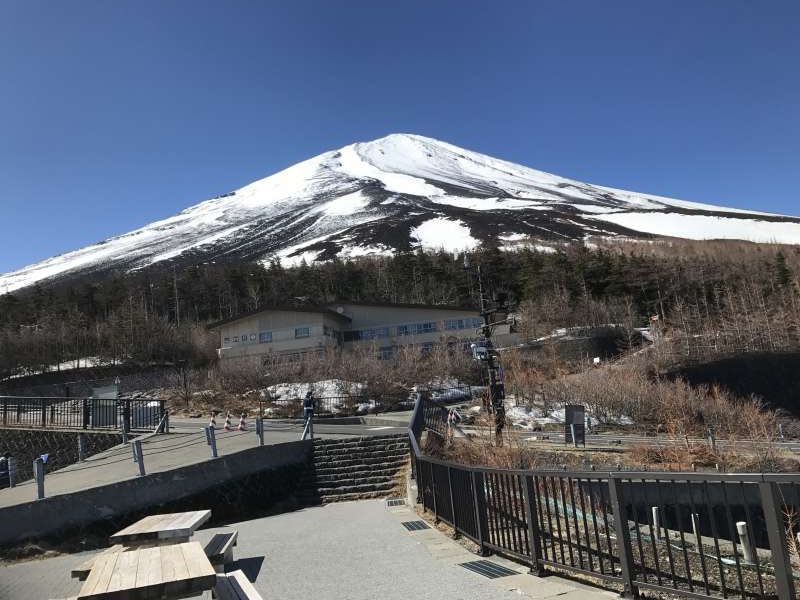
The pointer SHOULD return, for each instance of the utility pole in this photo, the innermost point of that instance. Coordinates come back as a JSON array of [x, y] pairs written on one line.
[[484, 351]]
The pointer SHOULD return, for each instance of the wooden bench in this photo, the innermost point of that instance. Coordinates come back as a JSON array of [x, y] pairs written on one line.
[[219, 549], [81, 572], [235, 586]]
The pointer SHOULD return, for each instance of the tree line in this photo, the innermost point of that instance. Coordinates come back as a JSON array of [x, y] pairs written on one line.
[[160, 315]]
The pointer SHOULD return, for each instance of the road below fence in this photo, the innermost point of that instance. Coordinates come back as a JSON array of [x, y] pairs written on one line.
[[696, 535]]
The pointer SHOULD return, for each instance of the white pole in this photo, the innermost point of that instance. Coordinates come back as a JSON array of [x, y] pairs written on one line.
[[744, 541]]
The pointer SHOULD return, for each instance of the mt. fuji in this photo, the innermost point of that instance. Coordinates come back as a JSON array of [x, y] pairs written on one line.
[[394, 194]]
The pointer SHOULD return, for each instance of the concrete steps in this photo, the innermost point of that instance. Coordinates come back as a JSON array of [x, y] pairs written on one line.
[[353, 469]]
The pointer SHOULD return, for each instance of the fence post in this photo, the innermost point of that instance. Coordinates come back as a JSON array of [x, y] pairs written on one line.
[[12, 471], [452, 503], [213, 438], [5, 411], [85, 413], [38, 474], [776, 533], [480, 512], [433, 488], [126, 415], [44, 412], [140, 456], [623, 536], [260, 430], [530, 499], [81, 447]]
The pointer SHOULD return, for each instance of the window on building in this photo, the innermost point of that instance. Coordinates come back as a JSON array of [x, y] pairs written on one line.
[[416, 328], [302, 332], [264, 337], [236, 338], [468, 323], [227, 340], [374, 333], [426, 348], [451, 324], [386, 353]]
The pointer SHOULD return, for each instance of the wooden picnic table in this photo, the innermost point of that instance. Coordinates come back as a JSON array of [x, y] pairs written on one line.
[[162, 529], [146, 572]]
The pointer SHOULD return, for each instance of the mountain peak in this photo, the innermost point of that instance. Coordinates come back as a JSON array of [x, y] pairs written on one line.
[[398, 193]]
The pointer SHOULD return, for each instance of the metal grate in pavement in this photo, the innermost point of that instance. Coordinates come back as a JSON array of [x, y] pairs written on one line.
[[488, 569], [395, 502], [415, 525]]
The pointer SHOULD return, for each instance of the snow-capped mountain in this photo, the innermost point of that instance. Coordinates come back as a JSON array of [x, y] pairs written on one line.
[[395, 194]]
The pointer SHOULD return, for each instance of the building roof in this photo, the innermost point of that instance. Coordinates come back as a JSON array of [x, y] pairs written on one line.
[[287, 308], [328, 310], [389, 305]]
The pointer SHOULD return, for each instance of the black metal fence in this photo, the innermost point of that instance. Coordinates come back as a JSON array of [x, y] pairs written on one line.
[[80, 413], [688, 534]]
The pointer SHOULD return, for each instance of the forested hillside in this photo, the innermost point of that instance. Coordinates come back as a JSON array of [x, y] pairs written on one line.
[[743, 295]]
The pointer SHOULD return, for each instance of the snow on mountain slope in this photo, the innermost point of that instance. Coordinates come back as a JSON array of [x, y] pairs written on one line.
[[399, 193]]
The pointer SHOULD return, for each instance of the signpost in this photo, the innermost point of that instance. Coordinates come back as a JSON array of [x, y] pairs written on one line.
[[575, 424]]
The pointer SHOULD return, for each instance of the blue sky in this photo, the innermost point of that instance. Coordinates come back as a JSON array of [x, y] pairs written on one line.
[[115, 114]]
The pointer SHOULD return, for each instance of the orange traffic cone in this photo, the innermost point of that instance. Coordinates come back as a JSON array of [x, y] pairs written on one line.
[[242, 424], [228, 426], [213, 422]]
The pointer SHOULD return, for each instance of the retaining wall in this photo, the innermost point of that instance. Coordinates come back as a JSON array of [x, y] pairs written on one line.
[[50, 515], [62, 445]]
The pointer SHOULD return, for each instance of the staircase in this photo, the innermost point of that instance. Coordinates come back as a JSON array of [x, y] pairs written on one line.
[[353, 469]]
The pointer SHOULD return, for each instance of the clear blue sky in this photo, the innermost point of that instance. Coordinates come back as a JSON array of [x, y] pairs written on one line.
[[115, 114]]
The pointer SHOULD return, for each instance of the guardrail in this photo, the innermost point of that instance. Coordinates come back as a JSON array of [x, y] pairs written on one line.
[[695, 535], [80, 413]]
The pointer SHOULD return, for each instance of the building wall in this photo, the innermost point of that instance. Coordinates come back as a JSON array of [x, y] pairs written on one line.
[[281, 328], [383, 328], [392, 326]]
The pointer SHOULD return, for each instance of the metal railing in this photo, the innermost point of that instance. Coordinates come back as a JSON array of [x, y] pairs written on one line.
[[80, 413], [696, 535]]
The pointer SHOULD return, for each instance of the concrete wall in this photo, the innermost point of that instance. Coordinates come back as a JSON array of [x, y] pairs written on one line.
[[62, 445], [51, 515]]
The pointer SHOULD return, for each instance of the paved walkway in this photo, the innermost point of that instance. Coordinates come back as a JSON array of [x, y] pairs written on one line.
[[346, 551], [185, 446]]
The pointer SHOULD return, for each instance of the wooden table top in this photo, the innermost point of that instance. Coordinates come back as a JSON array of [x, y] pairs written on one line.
[[162, 527], [146, 572]]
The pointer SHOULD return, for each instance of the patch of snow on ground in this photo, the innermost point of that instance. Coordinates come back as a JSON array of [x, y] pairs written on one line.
[[346, 205], [354, 165], [328, 388], [471, 203], [370, 250], [703, 227], [440, 233]]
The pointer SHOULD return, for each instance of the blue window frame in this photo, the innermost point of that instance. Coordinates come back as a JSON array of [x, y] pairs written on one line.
[[374, 333], [417, 328], [302, 332], [468, 323], [264, 337], [451, 324]]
